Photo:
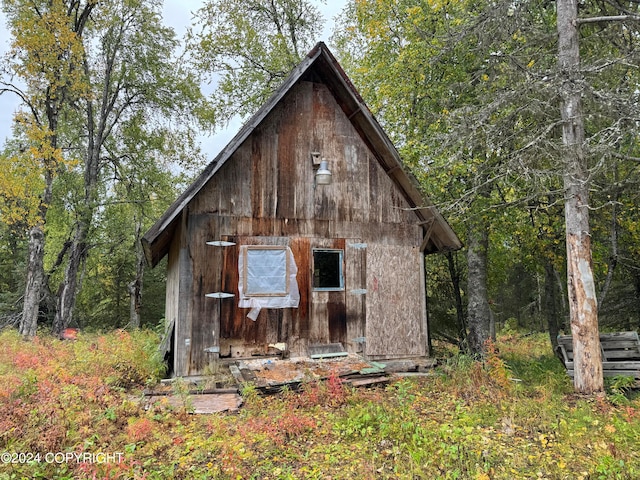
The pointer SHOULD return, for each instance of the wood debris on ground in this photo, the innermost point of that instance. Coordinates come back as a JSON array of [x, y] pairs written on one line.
[[272, 375]]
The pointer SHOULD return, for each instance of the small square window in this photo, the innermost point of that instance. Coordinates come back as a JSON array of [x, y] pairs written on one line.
[[327, 270], [266, 271]]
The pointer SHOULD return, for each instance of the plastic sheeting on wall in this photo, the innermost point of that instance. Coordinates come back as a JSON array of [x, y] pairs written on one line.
[[267, 279]]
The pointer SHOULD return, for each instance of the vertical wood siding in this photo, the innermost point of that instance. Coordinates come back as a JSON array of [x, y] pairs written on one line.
[[265, 194]]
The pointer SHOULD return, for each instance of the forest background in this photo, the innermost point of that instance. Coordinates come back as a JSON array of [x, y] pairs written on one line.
[[471, 93]]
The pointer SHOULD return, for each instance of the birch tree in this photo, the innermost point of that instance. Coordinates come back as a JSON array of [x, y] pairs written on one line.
[[577, 178], [583, 305], [136, 78], [91, 70], [46, 55]]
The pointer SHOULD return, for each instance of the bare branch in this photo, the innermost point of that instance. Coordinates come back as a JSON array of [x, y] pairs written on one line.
[[625, 157], [608, 18]]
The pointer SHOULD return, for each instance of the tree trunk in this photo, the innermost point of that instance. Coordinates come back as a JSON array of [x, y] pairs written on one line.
[[78, 252], [454, 272], [479, 315], [69, 286], [135, 290], [550, 304], [57, 92], [583, 307], [135, 287], [36, 277], [35, 283]]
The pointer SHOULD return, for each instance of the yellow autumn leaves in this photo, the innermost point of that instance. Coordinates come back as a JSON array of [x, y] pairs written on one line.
[[23, 175], [47, 55]]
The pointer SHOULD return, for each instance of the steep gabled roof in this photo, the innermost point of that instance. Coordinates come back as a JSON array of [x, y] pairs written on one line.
[[323, 66]]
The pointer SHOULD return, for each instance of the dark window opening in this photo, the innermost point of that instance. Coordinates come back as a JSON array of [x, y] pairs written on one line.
[[327, 270]]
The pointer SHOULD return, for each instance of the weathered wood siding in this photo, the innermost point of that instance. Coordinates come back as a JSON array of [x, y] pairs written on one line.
[[265, 194], [172, 294], [184, 324]]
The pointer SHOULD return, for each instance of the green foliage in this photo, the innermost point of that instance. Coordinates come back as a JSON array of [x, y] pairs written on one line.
[[46, 54], [103, 79], [250, 46], [468, 91], [12, 272], [620, 388]]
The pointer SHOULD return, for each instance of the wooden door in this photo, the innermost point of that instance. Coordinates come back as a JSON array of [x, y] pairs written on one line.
[[396, 324]]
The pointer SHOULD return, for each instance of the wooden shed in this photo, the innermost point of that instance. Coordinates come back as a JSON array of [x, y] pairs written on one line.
[[263, 251]]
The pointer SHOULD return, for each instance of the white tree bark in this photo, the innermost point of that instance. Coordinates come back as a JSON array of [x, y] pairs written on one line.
[[583, 307], [35, 282]]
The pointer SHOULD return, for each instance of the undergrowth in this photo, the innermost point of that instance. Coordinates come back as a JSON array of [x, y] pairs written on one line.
[[512, 415]]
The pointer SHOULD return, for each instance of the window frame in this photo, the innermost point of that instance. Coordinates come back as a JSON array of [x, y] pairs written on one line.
[[340, 253], [246, 282]]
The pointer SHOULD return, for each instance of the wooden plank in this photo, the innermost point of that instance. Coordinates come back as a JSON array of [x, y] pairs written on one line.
[[183, 319], [295, 168], [395, 317], [325, 348], [337, 316], [172, 294], [317, 356], [229, 323], [235, 371], [620, 343], [623, 365], [206, 271], [328, 200], [424, 311], [201, 403], [164, 393], [247, 374], [614, 373], [630, 335], [299, 328], [318, 321], [609, 355], [620, 350], [367, 382], [628, 365], [165, 345], [604, 338], [622, 354], [355, 285]]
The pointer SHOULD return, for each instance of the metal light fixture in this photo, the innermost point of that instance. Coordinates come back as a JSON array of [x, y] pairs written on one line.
[[323, 175]]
